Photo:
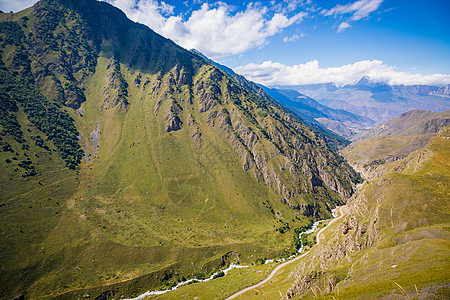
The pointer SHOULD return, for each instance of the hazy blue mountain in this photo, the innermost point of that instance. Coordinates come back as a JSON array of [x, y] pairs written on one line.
[[339, 121], [377, 101]]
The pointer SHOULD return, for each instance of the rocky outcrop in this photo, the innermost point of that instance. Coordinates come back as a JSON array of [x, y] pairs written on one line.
[[297, 166], [312, 283], [115, 90], [354, 235], [173, 123]]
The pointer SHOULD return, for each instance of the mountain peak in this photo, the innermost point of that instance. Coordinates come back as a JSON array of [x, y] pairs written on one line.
[[366, 81]]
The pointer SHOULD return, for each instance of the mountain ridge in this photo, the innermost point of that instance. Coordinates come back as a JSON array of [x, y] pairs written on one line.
[[180, 169], [413, 122], [290, 106]]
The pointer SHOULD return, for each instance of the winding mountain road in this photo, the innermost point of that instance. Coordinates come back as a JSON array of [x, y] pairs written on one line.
[[287, 262]]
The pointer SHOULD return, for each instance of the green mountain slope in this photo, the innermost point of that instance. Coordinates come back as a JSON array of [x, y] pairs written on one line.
[[129, 163], [394, 240], [393, 140], [391, 242]]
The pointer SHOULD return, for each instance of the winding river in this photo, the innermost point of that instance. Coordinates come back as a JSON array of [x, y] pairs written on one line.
[[296, 257]]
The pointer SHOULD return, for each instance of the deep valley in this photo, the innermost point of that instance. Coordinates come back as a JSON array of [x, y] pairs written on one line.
[[129, 164]]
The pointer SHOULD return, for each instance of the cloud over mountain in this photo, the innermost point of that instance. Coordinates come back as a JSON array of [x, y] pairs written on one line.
[[273, 73], [216, 30]]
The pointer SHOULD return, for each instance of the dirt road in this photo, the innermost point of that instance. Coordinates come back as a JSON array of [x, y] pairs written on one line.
[[287, 262]]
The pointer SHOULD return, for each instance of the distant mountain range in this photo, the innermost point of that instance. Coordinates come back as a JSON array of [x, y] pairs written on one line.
[[375, 102], [350, 109], [340, 121]]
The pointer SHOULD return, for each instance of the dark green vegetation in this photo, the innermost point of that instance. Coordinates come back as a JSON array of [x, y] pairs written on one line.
[[58, 126], [130, 164]]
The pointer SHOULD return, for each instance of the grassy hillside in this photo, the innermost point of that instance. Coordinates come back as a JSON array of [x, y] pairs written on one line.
[[129, 163], [394, 240], [392, 141]]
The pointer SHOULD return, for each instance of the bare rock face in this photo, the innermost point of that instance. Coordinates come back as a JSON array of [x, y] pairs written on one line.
[[173, 123], [314, 283], [294, 165]]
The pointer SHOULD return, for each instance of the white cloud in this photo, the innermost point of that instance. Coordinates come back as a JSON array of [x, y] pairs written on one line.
[[294, 37], [294, 4], [359, 9], [343, 26], [16, 5], [215, 30], [271, 73]]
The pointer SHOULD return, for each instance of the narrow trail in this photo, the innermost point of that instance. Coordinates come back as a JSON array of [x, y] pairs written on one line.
[[287, 262]]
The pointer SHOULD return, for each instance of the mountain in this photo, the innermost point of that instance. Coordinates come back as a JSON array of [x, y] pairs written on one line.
[[339, 121], [377, 101], [374, 149], [393, 241], [390, 241], [414, 122], [308, 112], [129, 163]]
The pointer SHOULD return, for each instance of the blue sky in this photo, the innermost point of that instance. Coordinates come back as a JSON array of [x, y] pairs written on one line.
[[307, 41]]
